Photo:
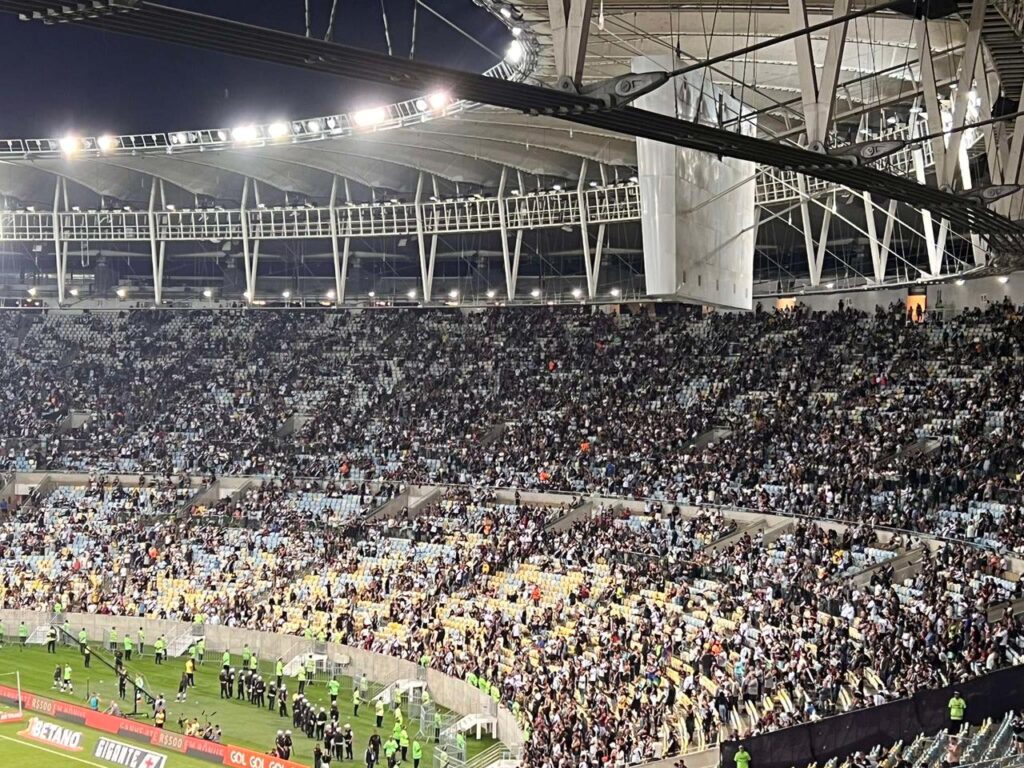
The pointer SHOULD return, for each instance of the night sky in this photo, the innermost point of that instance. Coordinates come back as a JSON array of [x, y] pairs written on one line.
[[60, 79]]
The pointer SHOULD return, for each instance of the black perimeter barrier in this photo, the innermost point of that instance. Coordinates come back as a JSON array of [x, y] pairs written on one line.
[[841, 735]]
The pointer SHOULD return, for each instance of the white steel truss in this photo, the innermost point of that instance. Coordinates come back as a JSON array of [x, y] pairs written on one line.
[[818, 92]]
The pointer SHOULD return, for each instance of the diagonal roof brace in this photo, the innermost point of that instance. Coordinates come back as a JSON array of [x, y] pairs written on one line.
[[617, 91]]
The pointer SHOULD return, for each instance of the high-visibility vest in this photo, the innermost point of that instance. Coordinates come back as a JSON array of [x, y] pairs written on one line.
[[417, 750]]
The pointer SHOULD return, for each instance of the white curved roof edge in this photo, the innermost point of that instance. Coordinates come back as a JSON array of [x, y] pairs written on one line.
[[309, 129]]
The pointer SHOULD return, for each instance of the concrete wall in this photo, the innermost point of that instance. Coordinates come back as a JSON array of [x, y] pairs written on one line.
[[451, 693]]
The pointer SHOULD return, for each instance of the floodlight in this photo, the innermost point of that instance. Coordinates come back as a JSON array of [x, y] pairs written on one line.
[[245, 133], [412, 293], [121, 293], [367, 117], [515, 51], [491, 294], [286, 294], [107, 143], [32, 291], [438, 100], [74, 291], [207, 294], [616, 292], [576, 293], [277, 130], [70, 144], [332, 295], [1004, 279], [453, 293], [535, 292]]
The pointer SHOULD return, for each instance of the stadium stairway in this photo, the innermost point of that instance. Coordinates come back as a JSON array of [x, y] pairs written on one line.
[[402, 689], [581, 512], [295, 664], [477, 723]]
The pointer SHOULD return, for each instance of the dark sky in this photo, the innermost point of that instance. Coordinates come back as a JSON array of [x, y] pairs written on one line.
[[60, 79]]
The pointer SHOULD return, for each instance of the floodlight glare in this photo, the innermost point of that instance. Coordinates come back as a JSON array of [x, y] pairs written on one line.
[[74, 291], [453, 293], [244, 133], [32, 291], [514, 53], [367, 117], [422, 105], [70, 144], [207, 294], [491, 294], [371, 294], [616, 292], [961, 281], [107, 143], [1004, 279], [332, 295], [121, 293], [411, 294], [438, 100], [313, 126], [517, 31], [278, 130], [535, 292], [576, 293], [286, 294], [247, 296]]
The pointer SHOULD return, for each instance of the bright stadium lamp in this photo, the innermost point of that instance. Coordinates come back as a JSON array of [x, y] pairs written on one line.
[[422, 105], [1004, 279], [207, 294], [32, 291], [492, 293], [313, 126], [576, 293], [107, 143], [121, 293], [365, 118], [961, 281], [286, 294], [371, 294], [412, 293], [247, 296], [74, 291], [277, 130], [439, 100], [514, 52], [616, 292], [70, 144], [535, 293], [245, 133], [453, 293], [331, 295]]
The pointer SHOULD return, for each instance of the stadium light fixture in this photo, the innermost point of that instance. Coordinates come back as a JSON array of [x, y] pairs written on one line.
[[366, 118], [286, 294], [492, 293], [277, 130], [422, 105], [961, 281], [313, 126], [557, 187], [331, 295], [412, 293], [453, 293], [830, 286], [245, 133], [32, 291], [517, 31], [371, 294], [247, 296], [107, 143], [207, 293], [515, 51], [70, 144], [438, 100], [121, 293], [1004, 279], [616, 292], [535, 293], [576, 293], [74, 291]]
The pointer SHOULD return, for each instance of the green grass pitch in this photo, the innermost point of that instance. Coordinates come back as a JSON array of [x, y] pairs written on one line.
[[242, 724]]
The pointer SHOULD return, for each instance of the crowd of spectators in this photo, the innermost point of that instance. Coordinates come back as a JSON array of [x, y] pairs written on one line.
[[631, 637]]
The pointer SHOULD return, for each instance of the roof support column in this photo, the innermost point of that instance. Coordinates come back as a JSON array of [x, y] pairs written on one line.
[[819, 94], [581, 203], [570, 28], [339, 282], [157, 247], [60, 248], [946, 148], [932, 245], [506, 258], [250, 294], [815, 253], [426, 270], [879, 249]]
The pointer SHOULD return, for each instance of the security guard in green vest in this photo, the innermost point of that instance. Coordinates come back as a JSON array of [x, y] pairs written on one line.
[[399, 718], [51, 640], [279, 671], [957, 707], [201, 649], [355, 701], [403, 744], [254, 662], [471, 678], [128, 647], [379, 712], [159, 650], [390, 749], [22, 634], [83, 640], [495, 693], [425, 701], [86, 655], [225, 660], [460, 742], [417, 754], [310, 668], [396, 730], [333, 687], [302, 679], [246, 655], [140, 638], [112, 639], [437, 726]]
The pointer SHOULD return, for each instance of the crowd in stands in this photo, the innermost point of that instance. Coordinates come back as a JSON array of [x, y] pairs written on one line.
[[630, 636]]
